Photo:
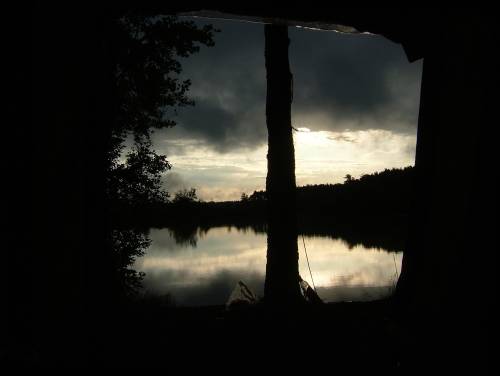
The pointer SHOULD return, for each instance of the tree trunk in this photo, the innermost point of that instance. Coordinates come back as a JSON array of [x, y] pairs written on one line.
[[282, 270], [447, 286]]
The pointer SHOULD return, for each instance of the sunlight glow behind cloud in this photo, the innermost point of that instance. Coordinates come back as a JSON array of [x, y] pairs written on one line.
[[321, 157], [355, 108]]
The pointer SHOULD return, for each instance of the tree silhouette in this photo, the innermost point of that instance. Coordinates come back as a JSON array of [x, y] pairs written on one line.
[[129, 245], [185, 196], [148, 91], [282, 270], [137, 181]]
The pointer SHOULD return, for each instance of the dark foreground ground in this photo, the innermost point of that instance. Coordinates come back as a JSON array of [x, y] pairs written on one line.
[[353, 335], [336, 337]]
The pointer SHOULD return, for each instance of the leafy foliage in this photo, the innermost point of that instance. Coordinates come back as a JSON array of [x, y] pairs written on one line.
[[148, 91], [145, 52], [138, 181], [128, 245], [185, 196]]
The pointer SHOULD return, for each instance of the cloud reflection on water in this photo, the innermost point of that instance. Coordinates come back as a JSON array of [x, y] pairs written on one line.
[[205, 274]]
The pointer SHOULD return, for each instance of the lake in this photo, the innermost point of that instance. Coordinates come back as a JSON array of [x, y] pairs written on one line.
[[203, 268]]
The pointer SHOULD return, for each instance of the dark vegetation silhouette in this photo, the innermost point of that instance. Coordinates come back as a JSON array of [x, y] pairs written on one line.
[[372, 210], [148, 91]]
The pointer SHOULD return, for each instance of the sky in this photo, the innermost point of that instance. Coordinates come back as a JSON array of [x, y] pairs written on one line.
[[355, 108]]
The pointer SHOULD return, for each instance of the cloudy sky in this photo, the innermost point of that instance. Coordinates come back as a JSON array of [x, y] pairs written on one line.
[[355, 107]]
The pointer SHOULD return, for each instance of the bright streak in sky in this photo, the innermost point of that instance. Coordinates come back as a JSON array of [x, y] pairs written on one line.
[[320, 157], [355, 108]]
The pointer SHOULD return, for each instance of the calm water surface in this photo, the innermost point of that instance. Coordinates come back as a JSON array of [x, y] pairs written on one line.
[[203, 269]]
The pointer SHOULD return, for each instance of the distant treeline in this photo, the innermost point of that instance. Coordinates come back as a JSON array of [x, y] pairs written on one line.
[[371, 210], [385, 193], [376, 203]]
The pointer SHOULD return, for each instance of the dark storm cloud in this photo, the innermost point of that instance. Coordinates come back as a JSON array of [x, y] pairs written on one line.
[[223, 128], [210, 120], [352, 76], [229, 88], [357, 81]]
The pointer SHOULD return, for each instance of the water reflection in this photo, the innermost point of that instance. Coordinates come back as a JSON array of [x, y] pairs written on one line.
[[204, 271]]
